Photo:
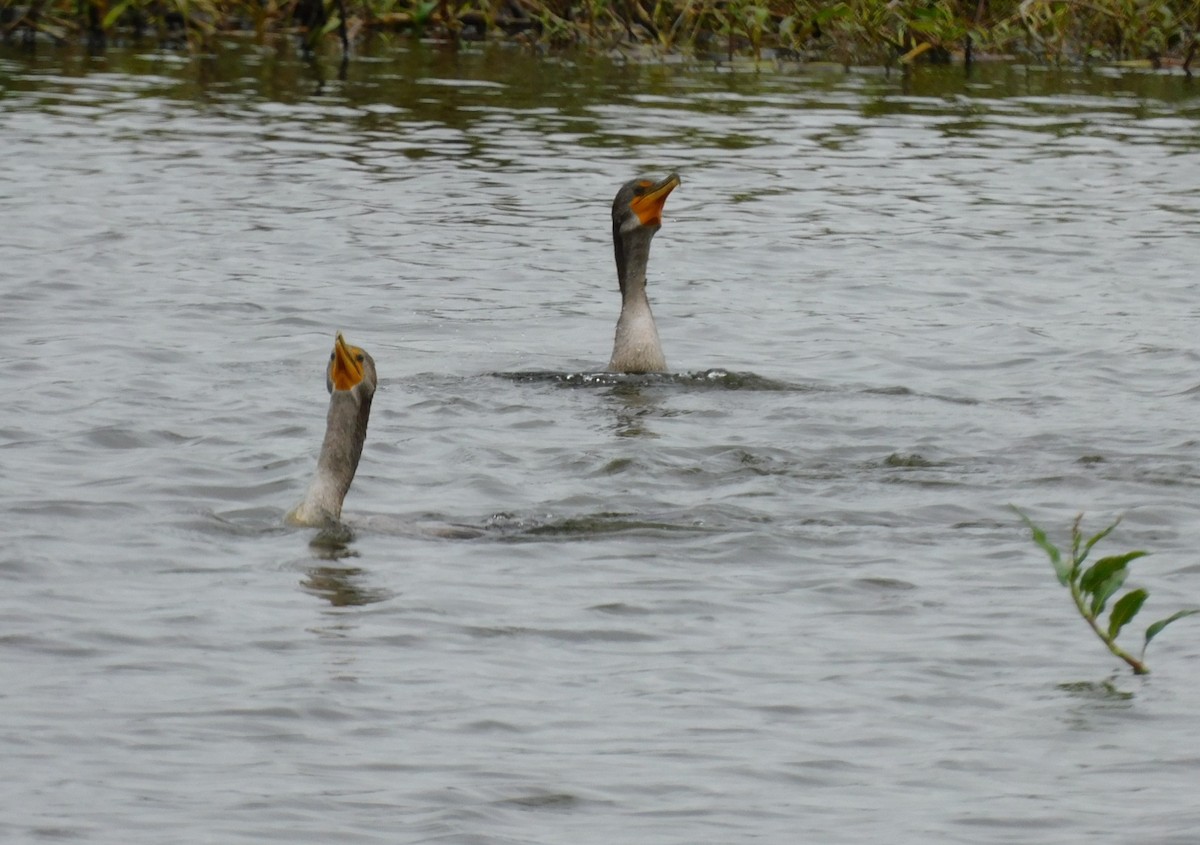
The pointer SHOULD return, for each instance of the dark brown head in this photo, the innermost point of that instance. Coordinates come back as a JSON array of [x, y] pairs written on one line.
[[637, 215], [640, 202]]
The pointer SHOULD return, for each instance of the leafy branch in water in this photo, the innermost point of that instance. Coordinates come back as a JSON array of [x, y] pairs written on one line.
[[1091, 588]]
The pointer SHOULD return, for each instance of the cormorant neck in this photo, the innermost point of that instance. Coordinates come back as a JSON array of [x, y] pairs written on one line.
[[636, 347], [632, 251], [345, 433]]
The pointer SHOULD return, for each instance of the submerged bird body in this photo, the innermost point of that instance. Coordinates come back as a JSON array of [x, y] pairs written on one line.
[[351, 381], [637, 215]]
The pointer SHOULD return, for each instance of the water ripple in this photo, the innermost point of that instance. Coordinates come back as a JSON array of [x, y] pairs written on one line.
[[775, 589]]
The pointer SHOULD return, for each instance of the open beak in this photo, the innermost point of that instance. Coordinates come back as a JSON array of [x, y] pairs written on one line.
[[345, 367], [648, 207]]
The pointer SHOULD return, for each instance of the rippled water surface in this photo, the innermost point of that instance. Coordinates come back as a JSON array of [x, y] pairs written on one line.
[[776, 597]]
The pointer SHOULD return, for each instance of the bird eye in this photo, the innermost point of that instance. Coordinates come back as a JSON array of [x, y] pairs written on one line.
[[331, 356], [360, 357]]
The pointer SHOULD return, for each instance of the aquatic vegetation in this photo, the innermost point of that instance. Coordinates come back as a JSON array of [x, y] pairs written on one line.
[[851, 32], [1091, 588]]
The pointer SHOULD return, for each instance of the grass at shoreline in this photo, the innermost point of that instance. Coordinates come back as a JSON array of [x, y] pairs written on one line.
[[1151, 33]]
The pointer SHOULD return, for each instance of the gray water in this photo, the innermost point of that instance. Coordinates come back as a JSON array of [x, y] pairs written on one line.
[[776, 598]]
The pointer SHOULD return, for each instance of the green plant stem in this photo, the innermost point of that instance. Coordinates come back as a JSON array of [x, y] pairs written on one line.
[[1139, 668]]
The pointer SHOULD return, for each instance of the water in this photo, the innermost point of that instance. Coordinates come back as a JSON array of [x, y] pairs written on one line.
[[777, 597]]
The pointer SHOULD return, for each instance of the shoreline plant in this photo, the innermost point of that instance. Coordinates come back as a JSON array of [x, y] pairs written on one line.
[[1093, 587], [1153, 33]]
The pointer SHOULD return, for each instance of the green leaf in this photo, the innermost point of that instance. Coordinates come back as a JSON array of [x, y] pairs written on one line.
[[114, 14], [1103, 569], [423, 11], [1124, 610], [1039, 536], [330, 25], [836, 11], [1094, 540], [1156, 629], [1106, 590]]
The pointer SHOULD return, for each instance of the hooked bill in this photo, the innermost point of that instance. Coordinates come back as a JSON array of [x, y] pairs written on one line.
[[648, 205], [345, 365]]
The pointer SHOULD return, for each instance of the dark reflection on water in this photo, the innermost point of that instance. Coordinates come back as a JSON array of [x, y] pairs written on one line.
[[1105, 692], [456, 88], [513, 527], [775, 591], [333, 542], [343, 586]]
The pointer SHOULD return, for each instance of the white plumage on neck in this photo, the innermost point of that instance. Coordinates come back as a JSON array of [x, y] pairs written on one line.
[[636, 347]]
